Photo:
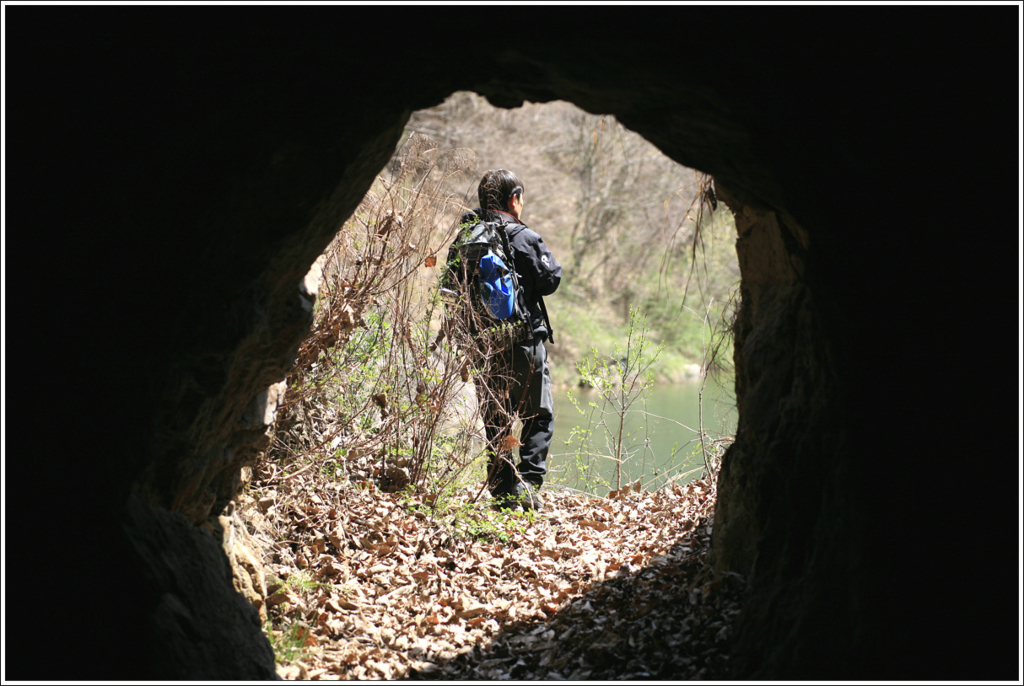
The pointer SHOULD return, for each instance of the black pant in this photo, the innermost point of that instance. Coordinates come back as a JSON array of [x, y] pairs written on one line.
[[518, 381]]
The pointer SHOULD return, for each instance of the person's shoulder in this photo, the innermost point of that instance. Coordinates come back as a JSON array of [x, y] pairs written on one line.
[[524, 232]]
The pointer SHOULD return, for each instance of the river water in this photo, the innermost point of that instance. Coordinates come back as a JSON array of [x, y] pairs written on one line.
[[660, 438]]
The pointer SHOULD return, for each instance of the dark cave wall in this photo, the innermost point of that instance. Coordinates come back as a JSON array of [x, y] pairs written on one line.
[[196, 187], [782, 519]]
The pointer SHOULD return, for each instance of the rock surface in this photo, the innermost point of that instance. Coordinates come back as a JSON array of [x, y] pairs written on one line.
[[245, 558], [200, 627]]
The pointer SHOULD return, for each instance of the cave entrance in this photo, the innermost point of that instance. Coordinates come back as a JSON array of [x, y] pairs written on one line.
[[632, 229], [649, 265]]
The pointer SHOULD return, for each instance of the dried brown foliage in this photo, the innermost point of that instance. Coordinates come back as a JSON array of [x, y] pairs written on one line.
[[594, 588], [369, 395]]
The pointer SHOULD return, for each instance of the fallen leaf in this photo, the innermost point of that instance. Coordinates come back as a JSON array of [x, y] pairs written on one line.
[[474, 611], [277, 599], [594, 524], [510, 442]]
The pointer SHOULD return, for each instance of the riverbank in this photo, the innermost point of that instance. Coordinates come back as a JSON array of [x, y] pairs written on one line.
[[582, 326], [660, 435]]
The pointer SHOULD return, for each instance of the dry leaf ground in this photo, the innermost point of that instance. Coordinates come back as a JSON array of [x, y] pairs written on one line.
[[370, 585]]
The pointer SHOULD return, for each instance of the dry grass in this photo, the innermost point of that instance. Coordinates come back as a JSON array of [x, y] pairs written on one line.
[[368, 391]]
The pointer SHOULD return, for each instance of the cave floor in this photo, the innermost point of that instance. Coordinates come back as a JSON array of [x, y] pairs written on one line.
[[370, 585]]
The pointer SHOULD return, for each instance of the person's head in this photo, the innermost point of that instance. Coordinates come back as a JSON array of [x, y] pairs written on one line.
[[502, 190]]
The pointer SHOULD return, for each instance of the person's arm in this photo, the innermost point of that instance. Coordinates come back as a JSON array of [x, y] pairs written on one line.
[[547, 271]]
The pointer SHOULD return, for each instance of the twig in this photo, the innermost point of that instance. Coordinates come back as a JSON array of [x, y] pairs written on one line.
[[295, 474], [677, 477], [700, 392]]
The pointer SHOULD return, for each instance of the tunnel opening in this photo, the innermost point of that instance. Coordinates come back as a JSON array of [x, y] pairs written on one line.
[[353, 413], [771, 292], [683, 280]]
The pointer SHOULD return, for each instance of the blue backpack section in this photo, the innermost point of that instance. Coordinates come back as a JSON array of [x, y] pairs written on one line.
[[496, 287], [480, 266]]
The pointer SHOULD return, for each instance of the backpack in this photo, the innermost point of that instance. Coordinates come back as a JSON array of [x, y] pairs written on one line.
[[481, 289]]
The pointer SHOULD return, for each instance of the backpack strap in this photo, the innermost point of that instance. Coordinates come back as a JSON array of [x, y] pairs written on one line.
[[547, 320]]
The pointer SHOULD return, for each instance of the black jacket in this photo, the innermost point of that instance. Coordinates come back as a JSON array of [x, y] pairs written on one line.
[[538, 270]]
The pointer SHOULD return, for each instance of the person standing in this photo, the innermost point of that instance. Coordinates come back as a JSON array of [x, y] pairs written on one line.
[[517, 379]]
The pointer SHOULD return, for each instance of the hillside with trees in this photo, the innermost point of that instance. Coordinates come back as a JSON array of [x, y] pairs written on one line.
[[619, 215]]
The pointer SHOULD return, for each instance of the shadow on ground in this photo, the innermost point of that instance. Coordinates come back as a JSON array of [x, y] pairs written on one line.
[[668, 620]]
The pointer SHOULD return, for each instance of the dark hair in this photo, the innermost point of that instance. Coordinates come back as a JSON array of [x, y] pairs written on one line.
[[497, 188]]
